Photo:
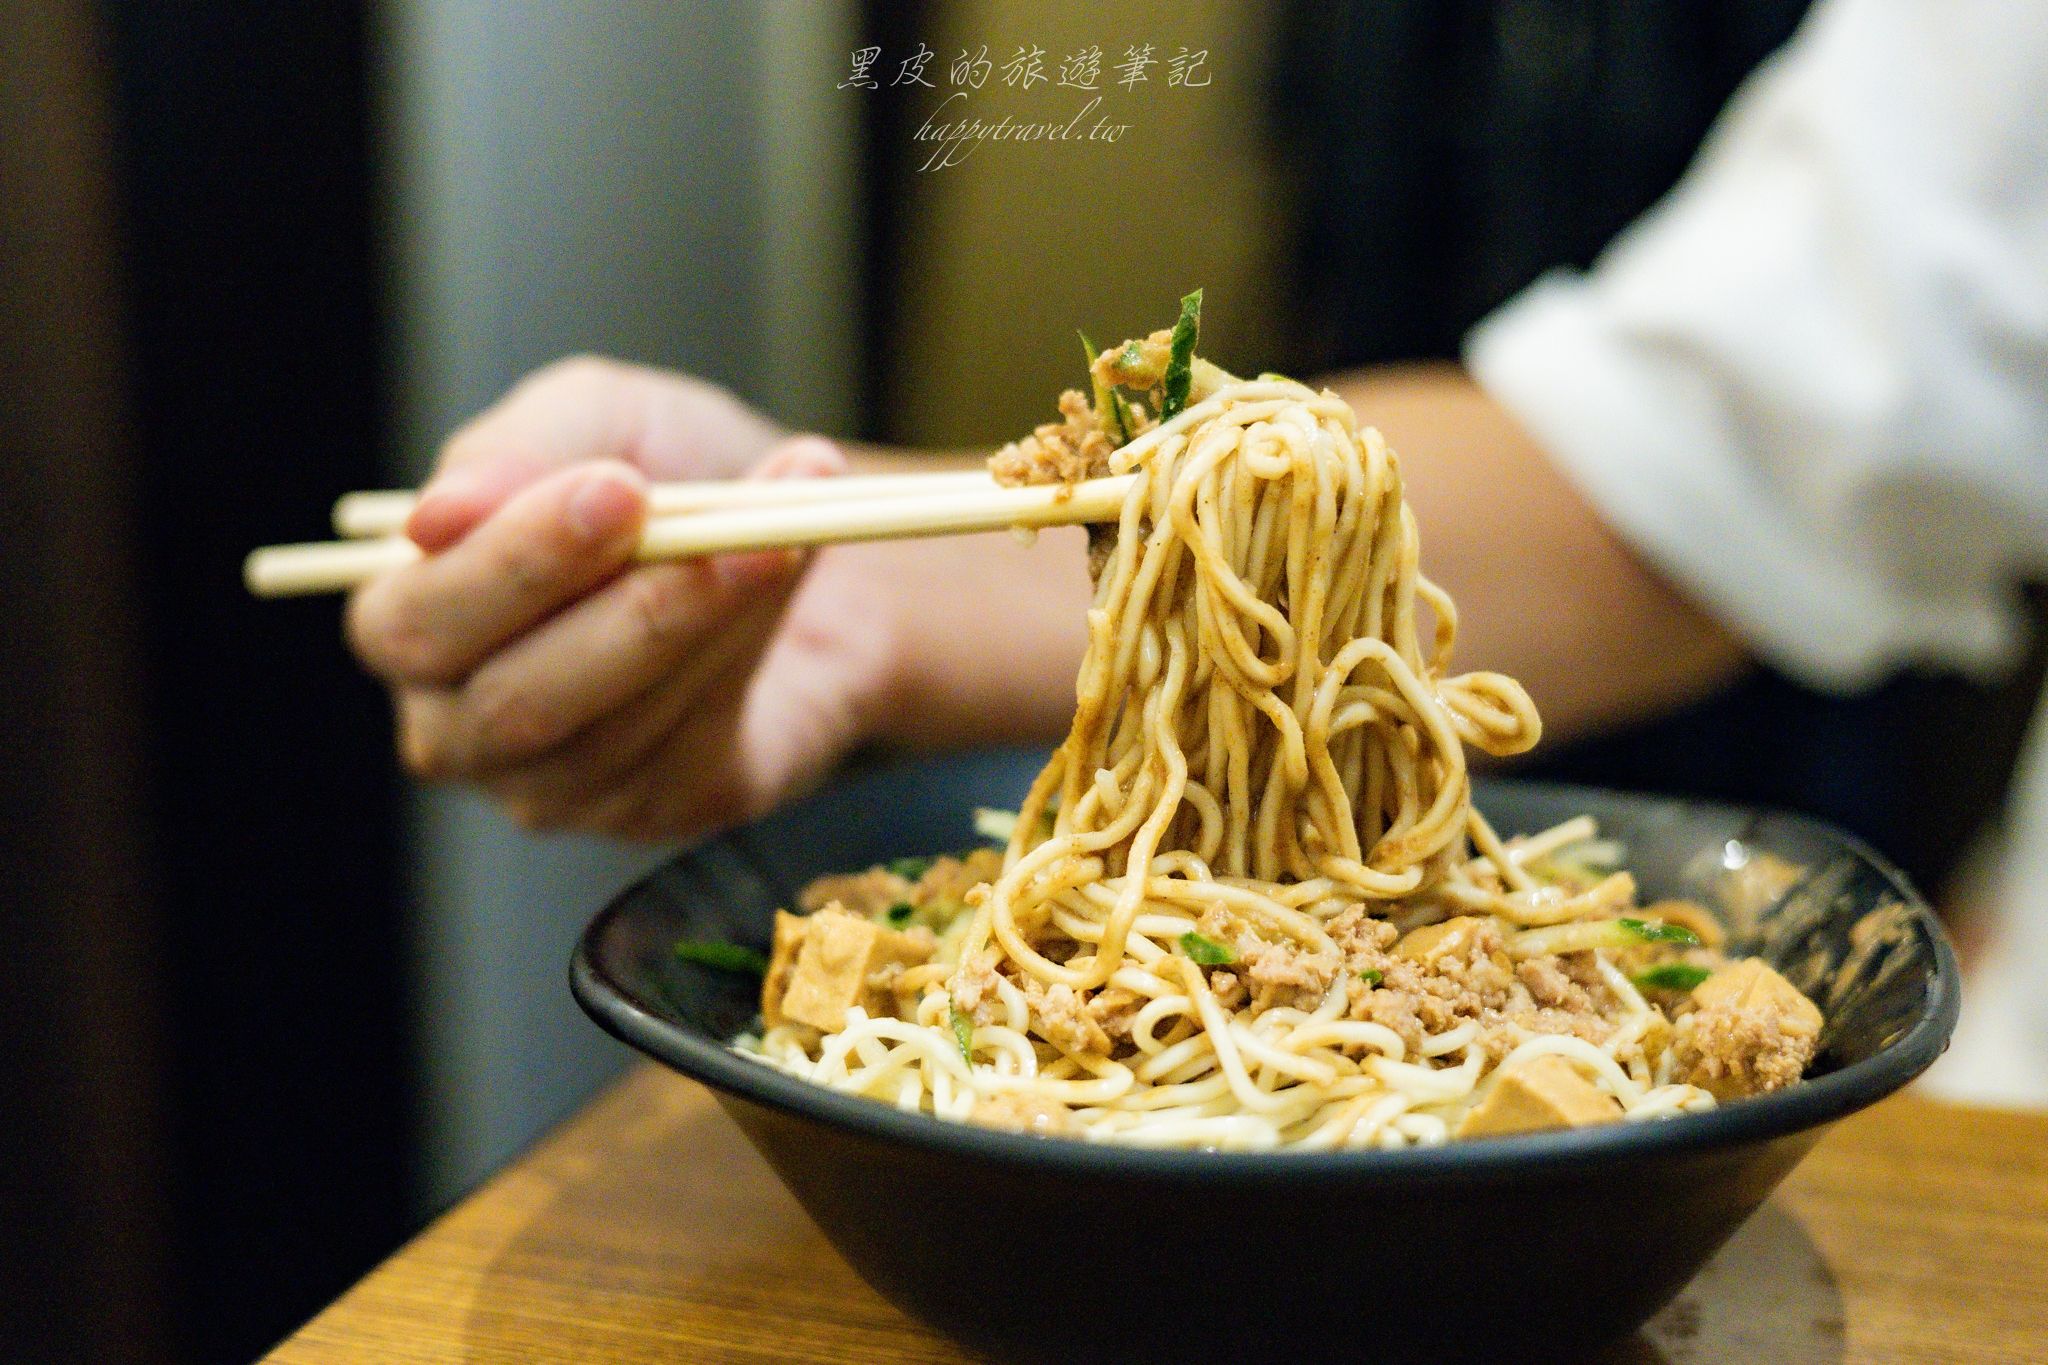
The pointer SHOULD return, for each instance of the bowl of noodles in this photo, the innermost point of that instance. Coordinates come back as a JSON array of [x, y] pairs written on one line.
[[1248, 1022]]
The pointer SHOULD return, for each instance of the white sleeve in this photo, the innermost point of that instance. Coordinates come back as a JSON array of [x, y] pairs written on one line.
[[1812, 384]]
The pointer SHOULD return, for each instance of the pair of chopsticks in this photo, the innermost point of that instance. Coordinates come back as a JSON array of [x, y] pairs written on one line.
[[686, 520]]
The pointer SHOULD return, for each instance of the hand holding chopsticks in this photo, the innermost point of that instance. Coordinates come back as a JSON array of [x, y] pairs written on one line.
[[692, 519]]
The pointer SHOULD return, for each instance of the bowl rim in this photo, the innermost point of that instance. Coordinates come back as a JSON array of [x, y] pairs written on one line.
[[1783, 1113]]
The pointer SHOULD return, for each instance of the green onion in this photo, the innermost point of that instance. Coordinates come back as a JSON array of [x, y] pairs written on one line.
[[1647, 932], [1372, 976], [899, 914], [910, 869], [1181, 357], [724, 957], [963, 1033], [1207, 951], [1671, 976]]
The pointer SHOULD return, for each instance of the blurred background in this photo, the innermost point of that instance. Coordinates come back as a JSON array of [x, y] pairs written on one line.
[[267, 1007]]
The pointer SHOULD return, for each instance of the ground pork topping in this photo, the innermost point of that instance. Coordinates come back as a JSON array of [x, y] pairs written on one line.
[[1228, 990], [1751, 1031], [1356, 932], [1067, 451], [1062, 1019], [1112, 1011], [866, 893], [1285, 975], [1446, 974], [1735, 1052], [1547, 984], [1077, 447], [1502, 1031], [1271, 974], [973, 988], [949, 879]]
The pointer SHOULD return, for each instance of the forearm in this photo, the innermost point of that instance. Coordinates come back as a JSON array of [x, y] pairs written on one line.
[[1545, 591]]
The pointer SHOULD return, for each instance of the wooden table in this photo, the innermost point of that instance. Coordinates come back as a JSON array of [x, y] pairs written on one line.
[[646, 1229]]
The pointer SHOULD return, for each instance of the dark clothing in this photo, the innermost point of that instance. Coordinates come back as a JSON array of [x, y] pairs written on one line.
[[1450, 151]]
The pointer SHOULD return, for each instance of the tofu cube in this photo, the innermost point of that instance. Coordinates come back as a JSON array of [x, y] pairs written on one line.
[[1752, 985], [782, 951], [1544, 1092], [834, 955]]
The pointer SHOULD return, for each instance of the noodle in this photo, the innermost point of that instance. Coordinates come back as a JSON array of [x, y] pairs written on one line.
[[1267, 764]]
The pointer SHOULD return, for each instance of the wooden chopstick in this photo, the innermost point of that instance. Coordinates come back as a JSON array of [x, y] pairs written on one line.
[[333, 566], [382, 512]]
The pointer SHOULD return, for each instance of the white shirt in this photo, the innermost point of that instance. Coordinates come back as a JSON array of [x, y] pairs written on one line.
[[1812, 386]]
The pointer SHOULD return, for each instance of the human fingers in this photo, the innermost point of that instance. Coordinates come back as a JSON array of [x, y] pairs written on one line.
[[668, 623], [579, 409], [574, 692], [433, 622], [616, 777]]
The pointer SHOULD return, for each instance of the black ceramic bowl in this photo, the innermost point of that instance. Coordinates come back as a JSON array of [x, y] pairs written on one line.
[[1048, 1249]]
